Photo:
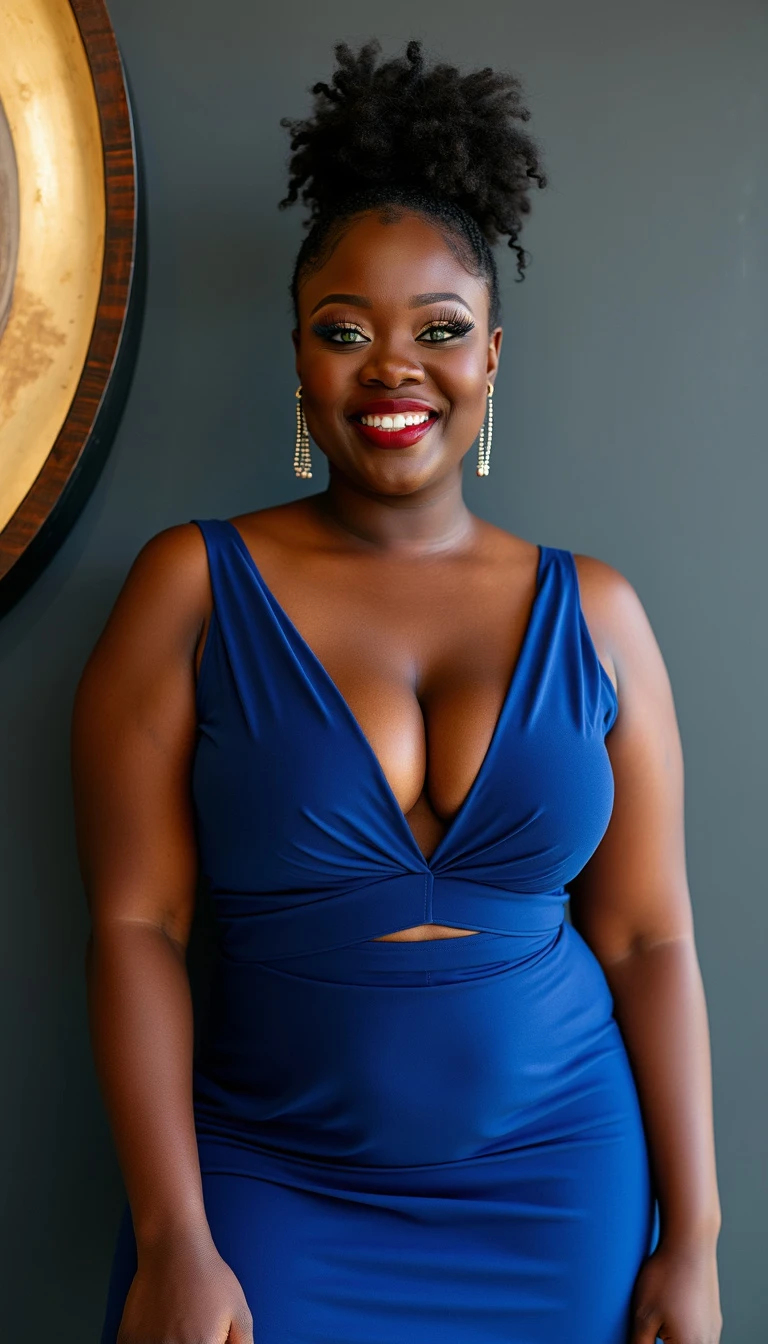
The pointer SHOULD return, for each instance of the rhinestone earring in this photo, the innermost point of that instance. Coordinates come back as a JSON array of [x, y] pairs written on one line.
[[302, 463], [484, 441]]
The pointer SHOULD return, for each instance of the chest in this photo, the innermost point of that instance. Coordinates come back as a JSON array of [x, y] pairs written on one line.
[[287, 780], [424, 669]]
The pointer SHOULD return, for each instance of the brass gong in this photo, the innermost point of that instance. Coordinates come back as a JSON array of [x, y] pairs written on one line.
[[72, 269]]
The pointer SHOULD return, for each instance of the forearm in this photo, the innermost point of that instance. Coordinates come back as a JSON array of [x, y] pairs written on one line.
[[140, 1014], [660, 1008]]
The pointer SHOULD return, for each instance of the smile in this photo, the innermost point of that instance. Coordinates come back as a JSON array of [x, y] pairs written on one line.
[[400, 430], [395, 421]]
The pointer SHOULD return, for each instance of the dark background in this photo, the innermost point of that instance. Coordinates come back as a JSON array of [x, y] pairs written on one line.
[[630, 425]]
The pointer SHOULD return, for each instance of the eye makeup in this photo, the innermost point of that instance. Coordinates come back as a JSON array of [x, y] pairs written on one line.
[[455, 322]]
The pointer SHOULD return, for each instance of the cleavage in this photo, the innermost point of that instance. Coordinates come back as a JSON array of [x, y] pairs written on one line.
[[427, 693], [429, 740], [424, 663]]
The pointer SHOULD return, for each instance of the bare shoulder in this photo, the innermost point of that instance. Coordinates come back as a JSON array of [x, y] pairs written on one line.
[[620, 625], [174, 557], [170, 572], [606, 594], [287, 524], [163, 602], [505, 548]]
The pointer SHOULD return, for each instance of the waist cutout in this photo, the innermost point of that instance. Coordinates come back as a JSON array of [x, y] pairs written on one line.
[[262, 926]]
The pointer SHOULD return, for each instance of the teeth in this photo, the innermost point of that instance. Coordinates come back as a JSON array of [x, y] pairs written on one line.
[[395, 421]]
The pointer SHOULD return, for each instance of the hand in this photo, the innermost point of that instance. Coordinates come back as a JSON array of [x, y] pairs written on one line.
[[676, 1298], [184, 1293]]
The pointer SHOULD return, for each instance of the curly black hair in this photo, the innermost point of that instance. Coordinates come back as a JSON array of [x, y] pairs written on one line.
[[433, 141]]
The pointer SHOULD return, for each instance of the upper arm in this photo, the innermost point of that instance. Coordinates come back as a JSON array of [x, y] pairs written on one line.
[[132, 739], [633, 891]]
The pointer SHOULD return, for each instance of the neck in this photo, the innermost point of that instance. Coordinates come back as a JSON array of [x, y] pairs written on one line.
[[420, 523]]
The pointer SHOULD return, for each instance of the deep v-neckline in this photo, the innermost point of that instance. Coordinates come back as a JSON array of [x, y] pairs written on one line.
[[458, 818]]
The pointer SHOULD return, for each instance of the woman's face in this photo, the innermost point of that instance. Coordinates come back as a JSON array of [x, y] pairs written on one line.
[[394, 318]]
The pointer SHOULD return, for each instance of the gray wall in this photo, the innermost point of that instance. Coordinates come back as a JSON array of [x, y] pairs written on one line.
[[630, 424]]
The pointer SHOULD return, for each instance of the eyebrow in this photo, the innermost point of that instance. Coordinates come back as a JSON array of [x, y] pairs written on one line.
[[416, 301]]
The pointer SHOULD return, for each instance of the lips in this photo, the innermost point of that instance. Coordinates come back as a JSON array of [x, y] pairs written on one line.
[[394, 438], [393, 406]]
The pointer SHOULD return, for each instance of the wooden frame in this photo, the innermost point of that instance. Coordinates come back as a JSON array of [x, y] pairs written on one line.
[[69, 338]]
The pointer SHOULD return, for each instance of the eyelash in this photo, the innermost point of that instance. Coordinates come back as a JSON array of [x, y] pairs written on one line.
[[453, 320]]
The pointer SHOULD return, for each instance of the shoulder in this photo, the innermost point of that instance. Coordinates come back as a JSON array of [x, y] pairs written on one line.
[[602, 587], [171, 567], [620, 624], [162, 603], [505, 550], [287, 526]]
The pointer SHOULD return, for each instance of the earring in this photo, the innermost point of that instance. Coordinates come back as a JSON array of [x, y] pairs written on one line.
[[484, 443], [302, 463]]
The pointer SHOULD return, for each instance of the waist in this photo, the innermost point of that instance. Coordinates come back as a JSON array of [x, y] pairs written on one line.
[[406, 1052], [259, 926]]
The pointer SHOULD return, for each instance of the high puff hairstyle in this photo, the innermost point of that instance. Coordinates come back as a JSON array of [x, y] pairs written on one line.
[[431, 140]]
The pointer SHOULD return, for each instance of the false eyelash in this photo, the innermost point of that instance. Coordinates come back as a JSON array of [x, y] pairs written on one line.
[[452, 319], [328, 328], [455, 318]]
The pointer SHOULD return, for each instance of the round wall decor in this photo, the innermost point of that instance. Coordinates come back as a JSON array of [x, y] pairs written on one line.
[[72, 269]]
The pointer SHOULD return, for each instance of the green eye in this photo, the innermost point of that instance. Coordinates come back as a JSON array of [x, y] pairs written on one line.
[[447, 329], [438, 333], [338, 333]]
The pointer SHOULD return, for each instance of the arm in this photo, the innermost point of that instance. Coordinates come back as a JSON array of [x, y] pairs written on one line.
[[632, 906], [133, 733]]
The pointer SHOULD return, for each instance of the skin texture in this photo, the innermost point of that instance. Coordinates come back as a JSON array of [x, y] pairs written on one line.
[[417, 609]]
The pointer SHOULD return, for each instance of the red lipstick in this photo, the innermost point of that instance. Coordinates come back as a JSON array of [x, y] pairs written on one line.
[[391, 406]]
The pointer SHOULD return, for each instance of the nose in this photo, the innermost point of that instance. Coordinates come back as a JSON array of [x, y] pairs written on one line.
[[389, 365]]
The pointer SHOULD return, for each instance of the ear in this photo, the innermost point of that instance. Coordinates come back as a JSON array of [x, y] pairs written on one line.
[[295, 339], [494, 351]]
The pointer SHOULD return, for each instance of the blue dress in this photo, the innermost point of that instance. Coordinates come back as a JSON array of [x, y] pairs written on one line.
[[416, 1142]]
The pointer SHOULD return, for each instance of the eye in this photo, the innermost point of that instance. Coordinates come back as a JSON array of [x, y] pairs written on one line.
[[330, 331], [444, 331], [446, 326]]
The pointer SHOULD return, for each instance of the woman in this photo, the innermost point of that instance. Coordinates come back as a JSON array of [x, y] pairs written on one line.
[[396, 739]]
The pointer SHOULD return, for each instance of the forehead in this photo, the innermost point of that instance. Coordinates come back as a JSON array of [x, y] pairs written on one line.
[[388, 261]]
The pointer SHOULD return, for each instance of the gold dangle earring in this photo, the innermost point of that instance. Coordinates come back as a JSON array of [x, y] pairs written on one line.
[[302, 463], [484, 441]]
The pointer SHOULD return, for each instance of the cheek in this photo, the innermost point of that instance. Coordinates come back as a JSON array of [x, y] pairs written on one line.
[[462, 374], [326, 380], [467, 388]]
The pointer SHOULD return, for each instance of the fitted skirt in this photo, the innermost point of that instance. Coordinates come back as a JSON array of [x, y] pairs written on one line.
[[421, 1142]]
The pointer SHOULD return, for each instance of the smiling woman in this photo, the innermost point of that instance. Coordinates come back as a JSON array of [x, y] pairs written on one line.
[[395, 739], [430, 351]]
